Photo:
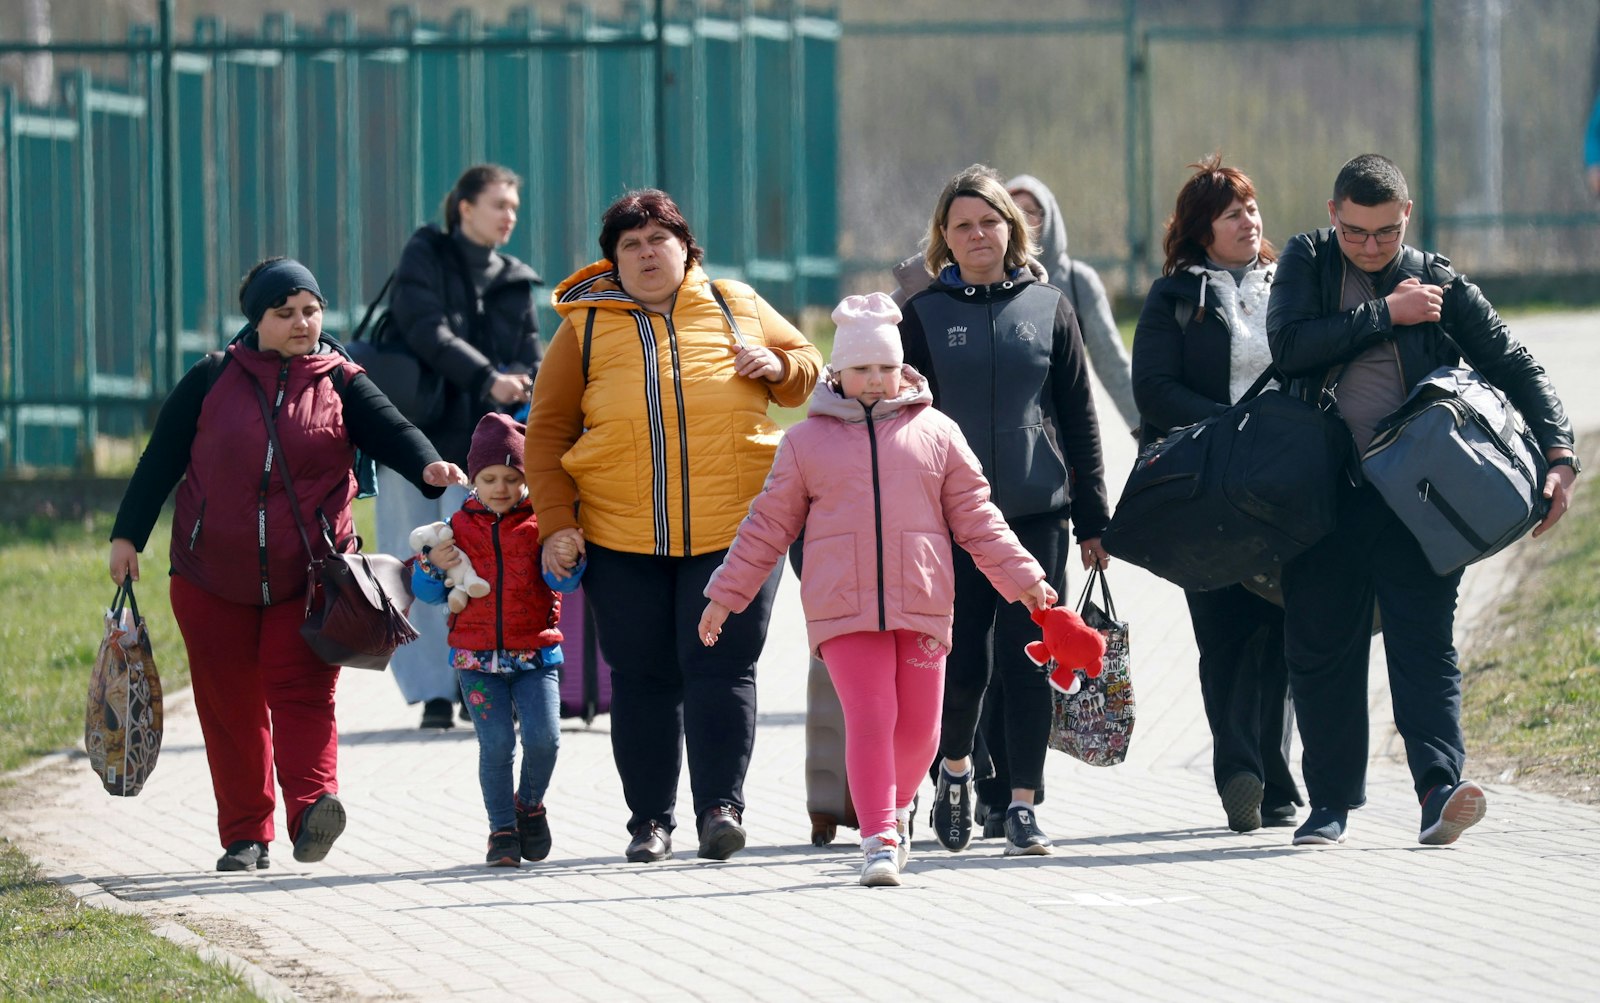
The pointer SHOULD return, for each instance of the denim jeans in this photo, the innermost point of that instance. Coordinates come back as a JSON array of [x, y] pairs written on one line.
[[536, 696]]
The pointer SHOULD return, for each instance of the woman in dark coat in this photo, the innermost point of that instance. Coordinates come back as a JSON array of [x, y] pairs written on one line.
[[1201, 342]]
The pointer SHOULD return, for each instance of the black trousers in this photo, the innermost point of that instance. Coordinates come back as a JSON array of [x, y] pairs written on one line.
[[669, 691], [987, 638], [1329, 593], [1245, 685]]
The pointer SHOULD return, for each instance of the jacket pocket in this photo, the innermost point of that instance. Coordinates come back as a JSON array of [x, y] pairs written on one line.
[[925, 573], [1030, 475], [829, 588]]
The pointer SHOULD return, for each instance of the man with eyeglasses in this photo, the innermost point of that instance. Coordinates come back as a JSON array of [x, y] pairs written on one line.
[[1355, 314]]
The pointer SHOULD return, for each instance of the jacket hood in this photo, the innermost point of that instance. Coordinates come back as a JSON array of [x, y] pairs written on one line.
[[826, 401], [1032, 271], [1053, 231], [596, 285]]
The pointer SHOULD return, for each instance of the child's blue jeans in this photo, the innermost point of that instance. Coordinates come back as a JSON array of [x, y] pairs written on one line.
[[490, 697]]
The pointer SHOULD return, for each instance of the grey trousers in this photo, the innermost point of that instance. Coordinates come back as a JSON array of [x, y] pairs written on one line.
[[422, 668]]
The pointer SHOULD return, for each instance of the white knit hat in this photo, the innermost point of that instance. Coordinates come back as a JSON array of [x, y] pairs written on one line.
[[867, 332]]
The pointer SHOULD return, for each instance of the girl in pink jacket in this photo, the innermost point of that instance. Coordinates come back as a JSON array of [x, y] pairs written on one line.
[[880, 482]]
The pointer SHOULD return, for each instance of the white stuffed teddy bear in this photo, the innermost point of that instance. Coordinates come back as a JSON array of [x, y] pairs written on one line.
[[463, 581]]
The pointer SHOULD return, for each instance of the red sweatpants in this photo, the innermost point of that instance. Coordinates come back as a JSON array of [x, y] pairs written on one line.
[[263, 696]]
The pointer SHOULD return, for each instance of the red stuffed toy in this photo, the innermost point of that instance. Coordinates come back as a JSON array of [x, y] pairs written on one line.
[[1070, 644]]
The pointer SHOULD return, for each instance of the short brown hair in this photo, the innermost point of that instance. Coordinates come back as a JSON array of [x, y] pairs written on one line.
[[635, 209], [1203, 198], [985, 183]]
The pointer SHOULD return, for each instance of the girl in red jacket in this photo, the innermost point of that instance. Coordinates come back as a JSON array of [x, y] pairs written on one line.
[[880, 483], [506, 646]]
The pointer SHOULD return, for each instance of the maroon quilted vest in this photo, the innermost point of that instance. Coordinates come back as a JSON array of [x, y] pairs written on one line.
[[520, 612], [233, 534]]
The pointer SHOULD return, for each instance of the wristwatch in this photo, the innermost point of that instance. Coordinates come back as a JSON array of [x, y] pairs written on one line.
[[1567, 461]]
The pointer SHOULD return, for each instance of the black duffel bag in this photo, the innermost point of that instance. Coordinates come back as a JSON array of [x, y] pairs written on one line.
[[1234, 496], [411, 385]]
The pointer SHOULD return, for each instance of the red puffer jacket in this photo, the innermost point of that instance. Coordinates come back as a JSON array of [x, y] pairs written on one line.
[[520, 612]]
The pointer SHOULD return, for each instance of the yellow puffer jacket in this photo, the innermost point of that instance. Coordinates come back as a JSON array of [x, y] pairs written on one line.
[[661, 449]]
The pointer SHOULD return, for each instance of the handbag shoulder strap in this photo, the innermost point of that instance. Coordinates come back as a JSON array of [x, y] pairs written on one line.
[[722, 303], [283, 467]]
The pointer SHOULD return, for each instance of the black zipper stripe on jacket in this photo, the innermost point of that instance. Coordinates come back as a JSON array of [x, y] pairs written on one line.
[[877, 510], [266, 482], [683, 428], [658, 433], [994, 395], [499, 588]]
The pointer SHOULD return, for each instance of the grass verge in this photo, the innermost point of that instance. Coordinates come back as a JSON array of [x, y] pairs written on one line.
[[1532, 688], [53, 947]]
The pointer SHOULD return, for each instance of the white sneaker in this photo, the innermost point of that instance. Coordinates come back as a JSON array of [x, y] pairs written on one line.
[[903, 848], [881, 867]]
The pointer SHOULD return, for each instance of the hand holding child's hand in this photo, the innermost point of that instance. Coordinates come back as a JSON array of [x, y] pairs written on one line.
[[444, 557], [711, 622], [559, 552], [1039, 596]]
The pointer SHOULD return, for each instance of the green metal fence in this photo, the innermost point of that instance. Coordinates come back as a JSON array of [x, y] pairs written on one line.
[[126, 228]]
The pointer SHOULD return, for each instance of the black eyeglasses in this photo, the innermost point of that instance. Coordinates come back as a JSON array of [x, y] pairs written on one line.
[[1356, 236]]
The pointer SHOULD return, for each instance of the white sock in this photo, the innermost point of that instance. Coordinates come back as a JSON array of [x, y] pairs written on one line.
[[902, 815], [1021, 804]]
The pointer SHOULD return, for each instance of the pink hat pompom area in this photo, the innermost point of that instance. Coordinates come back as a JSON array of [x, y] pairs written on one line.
[[868, 332]]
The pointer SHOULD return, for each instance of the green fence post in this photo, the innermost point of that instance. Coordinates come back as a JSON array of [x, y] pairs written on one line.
[[13, 239], [469, 85], [77, 87], [279, 27], [1134, 58], [342, 28], [173, 358], [1425, 126], [207, 30], [580, 21]]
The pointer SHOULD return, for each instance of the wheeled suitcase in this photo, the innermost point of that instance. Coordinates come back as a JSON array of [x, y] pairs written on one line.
[[827, 788], [585, 676]]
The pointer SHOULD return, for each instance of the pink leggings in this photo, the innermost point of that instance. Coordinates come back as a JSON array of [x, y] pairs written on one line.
[[891, 686]]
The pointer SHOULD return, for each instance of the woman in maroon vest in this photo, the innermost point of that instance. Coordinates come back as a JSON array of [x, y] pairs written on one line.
[[264, 698]]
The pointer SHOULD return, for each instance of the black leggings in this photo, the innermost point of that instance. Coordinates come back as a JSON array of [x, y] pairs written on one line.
[[668, 690], [990, 633]]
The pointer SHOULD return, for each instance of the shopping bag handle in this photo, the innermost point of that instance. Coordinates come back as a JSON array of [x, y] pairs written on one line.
[[1097, 572], [125, 592]]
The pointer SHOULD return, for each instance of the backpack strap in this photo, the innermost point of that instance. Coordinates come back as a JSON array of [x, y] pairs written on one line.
[[588, 341], [722, 303], [366, 318]]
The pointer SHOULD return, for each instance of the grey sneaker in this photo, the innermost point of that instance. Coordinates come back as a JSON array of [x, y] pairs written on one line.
[[951, 817], [319, 827], [1023, 835], [244, 855], [1241, 799], [880, 868], [1323, 827], [1449, 810]]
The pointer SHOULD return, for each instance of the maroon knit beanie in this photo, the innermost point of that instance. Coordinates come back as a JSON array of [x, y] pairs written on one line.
[[497, 439]]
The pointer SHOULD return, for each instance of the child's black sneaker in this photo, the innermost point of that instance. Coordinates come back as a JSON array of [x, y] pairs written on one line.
[[1323, 827], [533, 829], [1449, 810], [951, 816], [504, 849], [319, 827], [1023, 835], [244, 855]]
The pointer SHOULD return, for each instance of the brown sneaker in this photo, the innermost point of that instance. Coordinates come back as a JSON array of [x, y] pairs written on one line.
[[651, 842], [721, 836]]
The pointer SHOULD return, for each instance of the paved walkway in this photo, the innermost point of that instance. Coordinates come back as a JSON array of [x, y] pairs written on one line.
[[1147, 896]]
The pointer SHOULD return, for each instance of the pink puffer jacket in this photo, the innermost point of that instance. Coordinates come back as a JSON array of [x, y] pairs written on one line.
[[879, 499]]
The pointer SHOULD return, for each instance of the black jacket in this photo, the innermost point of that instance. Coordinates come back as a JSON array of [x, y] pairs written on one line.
[[463, 337], [1007, 362], [1311, 336], [1180, 374]]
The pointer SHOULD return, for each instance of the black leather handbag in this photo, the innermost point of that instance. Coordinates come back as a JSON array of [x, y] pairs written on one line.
[[1234, 496]]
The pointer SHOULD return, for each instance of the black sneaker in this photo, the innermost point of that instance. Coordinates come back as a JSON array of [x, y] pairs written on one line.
[[504, 849], [1278, 815], [1449, 810], [439, 713], [244, 855], [951, 816], [1241, 799], [319, 827], [721, 836], [1323, 827], [651, 842], [533, 831], [1023, 835]]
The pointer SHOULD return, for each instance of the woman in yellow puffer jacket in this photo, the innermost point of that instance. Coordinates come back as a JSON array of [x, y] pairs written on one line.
[[647, 440]]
